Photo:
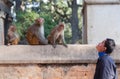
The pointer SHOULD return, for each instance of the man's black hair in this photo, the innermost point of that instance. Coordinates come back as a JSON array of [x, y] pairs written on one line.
[[110, 45]]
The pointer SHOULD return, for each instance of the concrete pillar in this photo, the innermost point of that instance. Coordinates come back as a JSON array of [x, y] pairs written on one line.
[[101, 20], [5, 7], [2, 15]]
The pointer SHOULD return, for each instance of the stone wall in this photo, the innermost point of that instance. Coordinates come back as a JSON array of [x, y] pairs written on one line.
[[49, 71], [46, 62], [78, 71]]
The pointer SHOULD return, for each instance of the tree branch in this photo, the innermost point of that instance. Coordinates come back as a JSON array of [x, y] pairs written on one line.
[[59, 13], [69, 5], [80, 5]]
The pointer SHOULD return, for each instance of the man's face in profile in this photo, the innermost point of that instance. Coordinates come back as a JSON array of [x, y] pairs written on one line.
[[101, 46]]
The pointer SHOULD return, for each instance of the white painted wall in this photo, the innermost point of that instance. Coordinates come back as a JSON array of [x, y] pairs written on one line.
[[103, 21], [101, 1]]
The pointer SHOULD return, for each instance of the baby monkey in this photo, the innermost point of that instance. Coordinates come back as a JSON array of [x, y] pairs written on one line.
[[12, 36]]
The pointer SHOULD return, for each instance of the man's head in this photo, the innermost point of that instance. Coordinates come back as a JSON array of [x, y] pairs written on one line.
[[106, 46]]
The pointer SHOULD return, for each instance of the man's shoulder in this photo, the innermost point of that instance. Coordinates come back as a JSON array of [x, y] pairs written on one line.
[[107, 60]]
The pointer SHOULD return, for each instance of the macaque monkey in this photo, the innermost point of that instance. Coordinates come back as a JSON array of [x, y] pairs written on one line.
[[12, 36], [35, 33], [57, 35]]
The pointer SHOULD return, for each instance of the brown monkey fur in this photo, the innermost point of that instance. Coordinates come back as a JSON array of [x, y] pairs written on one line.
[[12, 36], [35, 33], [57, 35]]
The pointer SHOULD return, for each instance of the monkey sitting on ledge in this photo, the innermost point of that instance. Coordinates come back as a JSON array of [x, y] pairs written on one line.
[[12, 36], [35, 33], [57, 35]]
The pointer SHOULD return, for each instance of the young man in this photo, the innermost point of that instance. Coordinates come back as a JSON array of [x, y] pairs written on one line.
[[105, 67]]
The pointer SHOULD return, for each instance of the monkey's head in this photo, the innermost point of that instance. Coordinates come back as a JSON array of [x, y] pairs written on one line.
[[61, 26], [39, 21], [12, 28]]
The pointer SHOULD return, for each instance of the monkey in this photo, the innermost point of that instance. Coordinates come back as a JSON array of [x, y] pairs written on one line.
[[35, 33], [12, 36], [57, 35]]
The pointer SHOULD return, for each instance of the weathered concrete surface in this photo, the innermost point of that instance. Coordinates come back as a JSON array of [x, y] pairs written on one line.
[[2, 14], [4, 7], [102, 1], [46, 62], [33, 71], [47, 54], [47, 72]]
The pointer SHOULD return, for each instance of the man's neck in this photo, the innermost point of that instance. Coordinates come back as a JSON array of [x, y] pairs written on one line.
[[100, 54]]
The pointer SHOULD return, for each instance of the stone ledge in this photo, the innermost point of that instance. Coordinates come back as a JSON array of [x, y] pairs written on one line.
[[46, 54]]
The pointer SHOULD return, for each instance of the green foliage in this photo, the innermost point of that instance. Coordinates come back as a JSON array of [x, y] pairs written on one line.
[[49, 22], [24, 20], [53, 12]]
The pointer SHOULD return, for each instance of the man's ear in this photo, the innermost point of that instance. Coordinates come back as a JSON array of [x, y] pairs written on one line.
[[105, 48]]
